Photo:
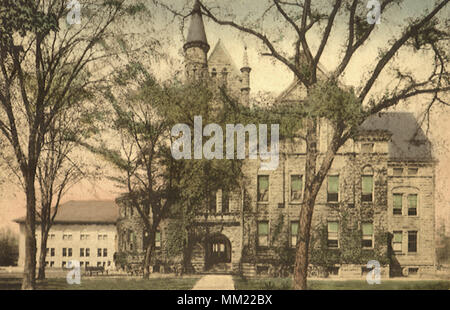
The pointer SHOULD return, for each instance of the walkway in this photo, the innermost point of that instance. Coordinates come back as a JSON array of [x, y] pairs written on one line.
[[215, 282]]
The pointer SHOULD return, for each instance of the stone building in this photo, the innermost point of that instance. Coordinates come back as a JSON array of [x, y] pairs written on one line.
[[82, 230], [377, 202]]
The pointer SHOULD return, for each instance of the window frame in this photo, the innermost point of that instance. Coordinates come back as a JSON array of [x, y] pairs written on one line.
[[363, 195], [417, 204], [364, 237], [332, 193], [258, 188], [416, 244], [335, 238], [265, 236], [296, 201], [400, 232], [401, 204], [292, 235]]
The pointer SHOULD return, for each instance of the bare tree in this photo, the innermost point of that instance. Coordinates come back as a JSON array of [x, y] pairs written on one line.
[[300, 18], [44, 63]]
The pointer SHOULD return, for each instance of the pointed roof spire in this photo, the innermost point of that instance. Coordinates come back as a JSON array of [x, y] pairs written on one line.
[[196, 34]]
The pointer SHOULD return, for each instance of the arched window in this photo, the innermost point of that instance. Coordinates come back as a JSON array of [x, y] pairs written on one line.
[[367, 184]]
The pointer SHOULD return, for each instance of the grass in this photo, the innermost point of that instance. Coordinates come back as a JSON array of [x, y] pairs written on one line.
[[185, 283], [286, 284]]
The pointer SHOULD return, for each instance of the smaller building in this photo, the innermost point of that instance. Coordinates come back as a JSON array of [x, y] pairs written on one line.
[[82, 230]]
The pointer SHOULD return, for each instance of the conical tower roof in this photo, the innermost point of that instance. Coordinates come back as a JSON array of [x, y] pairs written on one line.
[[196, 34]]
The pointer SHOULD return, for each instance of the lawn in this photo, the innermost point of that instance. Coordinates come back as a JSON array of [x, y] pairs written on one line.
[[286, 284], [185, 283]]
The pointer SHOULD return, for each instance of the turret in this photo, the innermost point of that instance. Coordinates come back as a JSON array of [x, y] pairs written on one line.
[[196, 47], [245, 86]]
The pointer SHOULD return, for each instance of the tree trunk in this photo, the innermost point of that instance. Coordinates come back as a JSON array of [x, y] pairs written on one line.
[[148, 254], [29, 272], [43, 254]]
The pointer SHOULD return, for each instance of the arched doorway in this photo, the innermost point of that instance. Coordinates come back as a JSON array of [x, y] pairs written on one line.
[[218, 251]]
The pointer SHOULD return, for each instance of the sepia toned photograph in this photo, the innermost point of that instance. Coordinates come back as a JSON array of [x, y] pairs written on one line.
[[228, 146]]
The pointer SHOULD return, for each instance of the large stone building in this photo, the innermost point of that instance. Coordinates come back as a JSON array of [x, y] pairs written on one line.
[[377, 202], [82, 230]]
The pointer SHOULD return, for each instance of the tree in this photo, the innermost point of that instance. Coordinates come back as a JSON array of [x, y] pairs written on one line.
[[345, 109], [37, 44], [59, 168], [9, 248]]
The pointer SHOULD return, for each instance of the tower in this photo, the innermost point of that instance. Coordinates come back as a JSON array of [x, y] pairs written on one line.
[[245, 87], [196, 47]]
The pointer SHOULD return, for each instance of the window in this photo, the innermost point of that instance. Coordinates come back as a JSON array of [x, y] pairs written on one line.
[[367, 235], [100, 237], [99, 252], [88, 252], [105, 237], [397, 241], [67, 236], [412, 204], [367, 147], [263, 234], [86, 264], [81, 252], [225, 202], [51, 236], [99, 264], [52, 251], [69, 252], [397, 210], [158, 239], [84, 237], [333, 188], [52, 264], [367, 188], [398, 171], [105, 252], [63, 264], [263, 188], [81, 264], [296, 187], [294, 233], [64, 252], [333, 228], [412, 241], [212, 202], [413, 171]]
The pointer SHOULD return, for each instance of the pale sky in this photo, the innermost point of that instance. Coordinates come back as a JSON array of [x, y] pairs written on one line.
[[268, 75]]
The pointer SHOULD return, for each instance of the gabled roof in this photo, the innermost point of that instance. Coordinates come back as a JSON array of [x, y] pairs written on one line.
[[85, 212], [408, 141], [221, 56]]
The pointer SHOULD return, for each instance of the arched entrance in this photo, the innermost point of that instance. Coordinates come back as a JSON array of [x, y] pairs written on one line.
[[218, 251]]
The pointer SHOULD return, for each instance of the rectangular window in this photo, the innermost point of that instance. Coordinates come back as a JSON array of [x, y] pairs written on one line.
[[52, 264], [294, 233], [225, 202], [88, 252], [263, 188], [398, 172], [105, 252], [158, 239], [412, 204], [99, 264], [367, 235], [263, 234], [367, 147], [99, 237], [397, 241], [333, 188], [52, 252], [333, 229], [69, 252], [412, 241], [397, 204], [81, 264], [296, 187], [64, 252], [367, 188], [63, 264], [99, 252], [81, 252], [105, 237], [413, 171], [86, 264]]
